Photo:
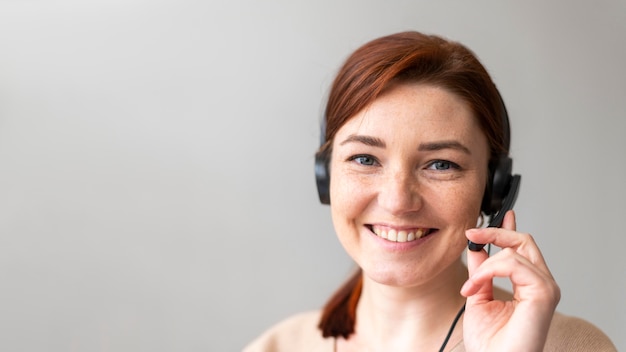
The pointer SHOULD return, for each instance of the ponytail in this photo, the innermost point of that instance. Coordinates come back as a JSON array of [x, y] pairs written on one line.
[[339, 314]]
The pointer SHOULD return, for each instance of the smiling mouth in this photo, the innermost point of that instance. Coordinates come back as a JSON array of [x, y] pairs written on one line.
[[394, 235]]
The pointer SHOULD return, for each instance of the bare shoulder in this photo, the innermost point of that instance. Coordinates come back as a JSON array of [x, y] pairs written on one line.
[[574, 334], [292, 334]]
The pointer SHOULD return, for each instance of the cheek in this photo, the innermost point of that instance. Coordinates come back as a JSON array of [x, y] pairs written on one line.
[[348, 197], [462, 203], [349, 191], [344, 207], [472, 200], [470, 208]]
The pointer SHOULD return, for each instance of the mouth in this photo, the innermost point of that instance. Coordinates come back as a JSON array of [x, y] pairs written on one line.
[[403, 235]]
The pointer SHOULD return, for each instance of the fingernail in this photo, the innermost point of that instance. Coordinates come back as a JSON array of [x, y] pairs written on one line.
[[465, 288]]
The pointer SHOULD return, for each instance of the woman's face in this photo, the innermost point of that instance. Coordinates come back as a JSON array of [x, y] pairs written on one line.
[[407, 179]]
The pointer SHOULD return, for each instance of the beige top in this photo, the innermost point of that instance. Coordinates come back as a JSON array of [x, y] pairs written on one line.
[[300, 333]]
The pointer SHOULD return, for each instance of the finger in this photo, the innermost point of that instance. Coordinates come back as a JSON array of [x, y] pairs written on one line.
[[509, 222], [530, 282], [523, 243], [482, 291], [490, 234], [501, 239]]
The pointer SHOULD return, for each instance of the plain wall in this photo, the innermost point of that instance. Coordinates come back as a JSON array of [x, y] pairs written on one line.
[[156, 159]]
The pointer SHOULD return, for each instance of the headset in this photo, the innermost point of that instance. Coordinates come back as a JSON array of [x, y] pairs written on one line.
[[500, 193]]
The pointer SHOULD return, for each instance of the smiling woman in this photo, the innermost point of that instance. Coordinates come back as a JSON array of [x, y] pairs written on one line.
[[415, 132], [427, 176]]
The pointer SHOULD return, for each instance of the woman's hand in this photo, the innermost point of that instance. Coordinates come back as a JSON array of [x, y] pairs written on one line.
[[522, 323]]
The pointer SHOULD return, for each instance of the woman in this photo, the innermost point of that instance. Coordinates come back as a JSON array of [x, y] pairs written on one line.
[[414, 132]]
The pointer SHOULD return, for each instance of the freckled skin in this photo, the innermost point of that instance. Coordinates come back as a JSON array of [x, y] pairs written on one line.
[[401, 185]]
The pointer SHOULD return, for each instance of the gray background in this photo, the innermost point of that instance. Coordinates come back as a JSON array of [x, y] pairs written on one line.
[[156, 159]]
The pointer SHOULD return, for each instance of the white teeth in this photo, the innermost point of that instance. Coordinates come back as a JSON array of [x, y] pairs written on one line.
[[379, 232], [402, 236], [398, 236], [392, 235]]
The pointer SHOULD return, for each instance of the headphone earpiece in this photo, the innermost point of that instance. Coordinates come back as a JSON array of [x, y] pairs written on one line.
[[322, 176], [500, 175]]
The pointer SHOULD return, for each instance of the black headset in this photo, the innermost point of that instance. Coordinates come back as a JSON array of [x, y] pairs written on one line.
[[500, 193]]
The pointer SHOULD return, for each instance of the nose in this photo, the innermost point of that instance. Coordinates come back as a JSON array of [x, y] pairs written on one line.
[[399, 193]]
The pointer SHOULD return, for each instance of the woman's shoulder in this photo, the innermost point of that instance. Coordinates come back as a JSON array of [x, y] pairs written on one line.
[[574, 334], [296, 333]]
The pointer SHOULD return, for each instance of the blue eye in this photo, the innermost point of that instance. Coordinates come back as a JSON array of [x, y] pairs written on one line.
[[366, 160], [442, 165]]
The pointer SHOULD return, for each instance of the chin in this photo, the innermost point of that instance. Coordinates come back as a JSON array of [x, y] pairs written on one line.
[[413, 273]]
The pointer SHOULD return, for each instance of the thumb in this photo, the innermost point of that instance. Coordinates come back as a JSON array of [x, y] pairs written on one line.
[[474, 290]]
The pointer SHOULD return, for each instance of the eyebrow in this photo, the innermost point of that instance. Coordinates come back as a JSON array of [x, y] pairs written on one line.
[[367, 140], [428, 147], [434, 146]]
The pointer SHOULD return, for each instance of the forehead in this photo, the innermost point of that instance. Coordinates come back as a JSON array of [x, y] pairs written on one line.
[[414, 111]]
